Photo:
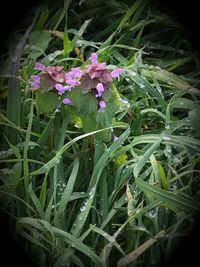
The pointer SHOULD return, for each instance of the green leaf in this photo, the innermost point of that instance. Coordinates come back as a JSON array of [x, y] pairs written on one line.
[[38, 42], [46, 103], [86, 104], [186, 204], [194, 116]]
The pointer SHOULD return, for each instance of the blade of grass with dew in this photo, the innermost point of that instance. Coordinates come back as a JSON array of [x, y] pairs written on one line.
[[107, 236], [142, 161], [188, 205], [132, 256], [107, 249], [25, 152], [81, 218], [42, 225], [55, 159], [69, 187], [36, 201]]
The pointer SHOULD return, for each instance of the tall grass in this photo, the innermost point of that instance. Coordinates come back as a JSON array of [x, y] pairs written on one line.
[[74, 199]]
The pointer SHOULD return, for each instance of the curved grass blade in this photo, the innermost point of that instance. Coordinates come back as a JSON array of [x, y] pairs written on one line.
[[186, 204]]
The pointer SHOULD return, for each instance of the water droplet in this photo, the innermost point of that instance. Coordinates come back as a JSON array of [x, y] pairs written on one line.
[[76, 125], [188, 119], [124, 101], [170, 82], [166, 138], [142, 86], [168, 149], [176, 160], [83, 208], [108, 149], [157, 67], [127, 79], [167, 126], [91, 193], [133, 73], [152, 213], [181, 52]]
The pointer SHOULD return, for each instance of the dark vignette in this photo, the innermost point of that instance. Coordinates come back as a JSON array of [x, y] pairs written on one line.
[[15, 13]]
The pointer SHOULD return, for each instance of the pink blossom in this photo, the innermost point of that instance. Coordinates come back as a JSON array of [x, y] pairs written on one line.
[[100, 89], [35, 82], [61, 89], [102, 106], [94, 58], [67, 101], [115, 73], [39, 66]]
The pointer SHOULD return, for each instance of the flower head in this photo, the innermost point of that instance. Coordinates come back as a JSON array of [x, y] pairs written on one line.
[[56, 73], [94, 74]]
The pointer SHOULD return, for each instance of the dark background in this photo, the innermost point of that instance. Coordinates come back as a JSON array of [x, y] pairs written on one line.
[[11, 13]]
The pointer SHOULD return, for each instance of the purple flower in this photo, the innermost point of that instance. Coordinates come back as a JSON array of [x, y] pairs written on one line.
[[94, 58], [72, 77], [39, 66], [73, 83], [61, 89], [102, 106], [95, 73], [115, 73], [77, 72], [35, 82], [100, 89], [56, 73], [67, 101]]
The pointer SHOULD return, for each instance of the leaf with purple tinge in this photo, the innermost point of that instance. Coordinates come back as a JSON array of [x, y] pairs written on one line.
[[87, 83]]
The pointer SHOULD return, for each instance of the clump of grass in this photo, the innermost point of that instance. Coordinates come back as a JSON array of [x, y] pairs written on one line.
[[76, 197]]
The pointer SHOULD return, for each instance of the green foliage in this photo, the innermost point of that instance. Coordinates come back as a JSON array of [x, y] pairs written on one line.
[[77, 197], [46, 102], [38, 42]]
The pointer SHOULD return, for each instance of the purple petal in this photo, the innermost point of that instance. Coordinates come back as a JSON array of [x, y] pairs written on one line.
[[115, 73], [100, 89], [73, 82], [35, 78], [67, 101], [94, 58], [77, 72], [101, 66], [60, 88], [102, 106], [39, 66], [35, 82]]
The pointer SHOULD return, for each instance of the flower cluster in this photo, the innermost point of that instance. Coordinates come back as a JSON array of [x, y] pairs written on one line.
[[95, 78]]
